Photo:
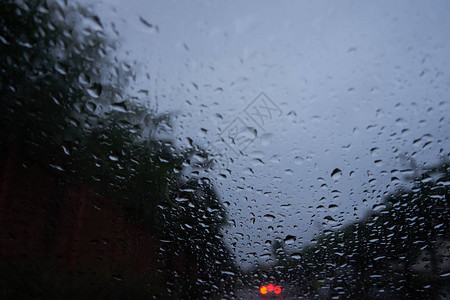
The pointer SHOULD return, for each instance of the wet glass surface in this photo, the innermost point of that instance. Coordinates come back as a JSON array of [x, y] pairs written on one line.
[[224, 150]]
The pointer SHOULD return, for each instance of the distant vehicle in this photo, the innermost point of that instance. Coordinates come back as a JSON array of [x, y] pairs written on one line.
[[271, 291]]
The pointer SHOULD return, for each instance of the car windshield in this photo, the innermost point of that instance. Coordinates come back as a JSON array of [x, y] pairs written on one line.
[[224, 150]]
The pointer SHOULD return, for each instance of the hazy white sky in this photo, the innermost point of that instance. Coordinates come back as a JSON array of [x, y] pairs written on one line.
[[361, 84]]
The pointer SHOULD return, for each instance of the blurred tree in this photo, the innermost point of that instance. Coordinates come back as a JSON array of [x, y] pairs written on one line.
[[65, 108], [400, 252]]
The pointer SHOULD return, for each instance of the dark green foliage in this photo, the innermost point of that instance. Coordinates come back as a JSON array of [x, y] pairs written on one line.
[[64, 107], [60, 89], [402, 252]]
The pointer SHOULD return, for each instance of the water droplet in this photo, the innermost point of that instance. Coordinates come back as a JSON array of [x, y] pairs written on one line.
[[84, 78], [60, 68], [290, 239], [298, 160], [113, 158], [269, 217], [120, 106], [181, 199], [296, 255], [95, 90], [374, 151], [336, 174], [150, 26]]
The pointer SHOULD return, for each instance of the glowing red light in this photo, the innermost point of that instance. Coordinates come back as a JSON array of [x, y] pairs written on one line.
[[263, 290], [277, 290]]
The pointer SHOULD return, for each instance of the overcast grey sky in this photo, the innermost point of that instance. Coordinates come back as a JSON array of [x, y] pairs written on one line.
[[362, 85]]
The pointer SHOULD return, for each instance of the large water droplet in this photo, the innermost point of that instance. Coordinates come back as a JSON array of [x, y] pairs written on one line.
[[95, 90], [336, 174]]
